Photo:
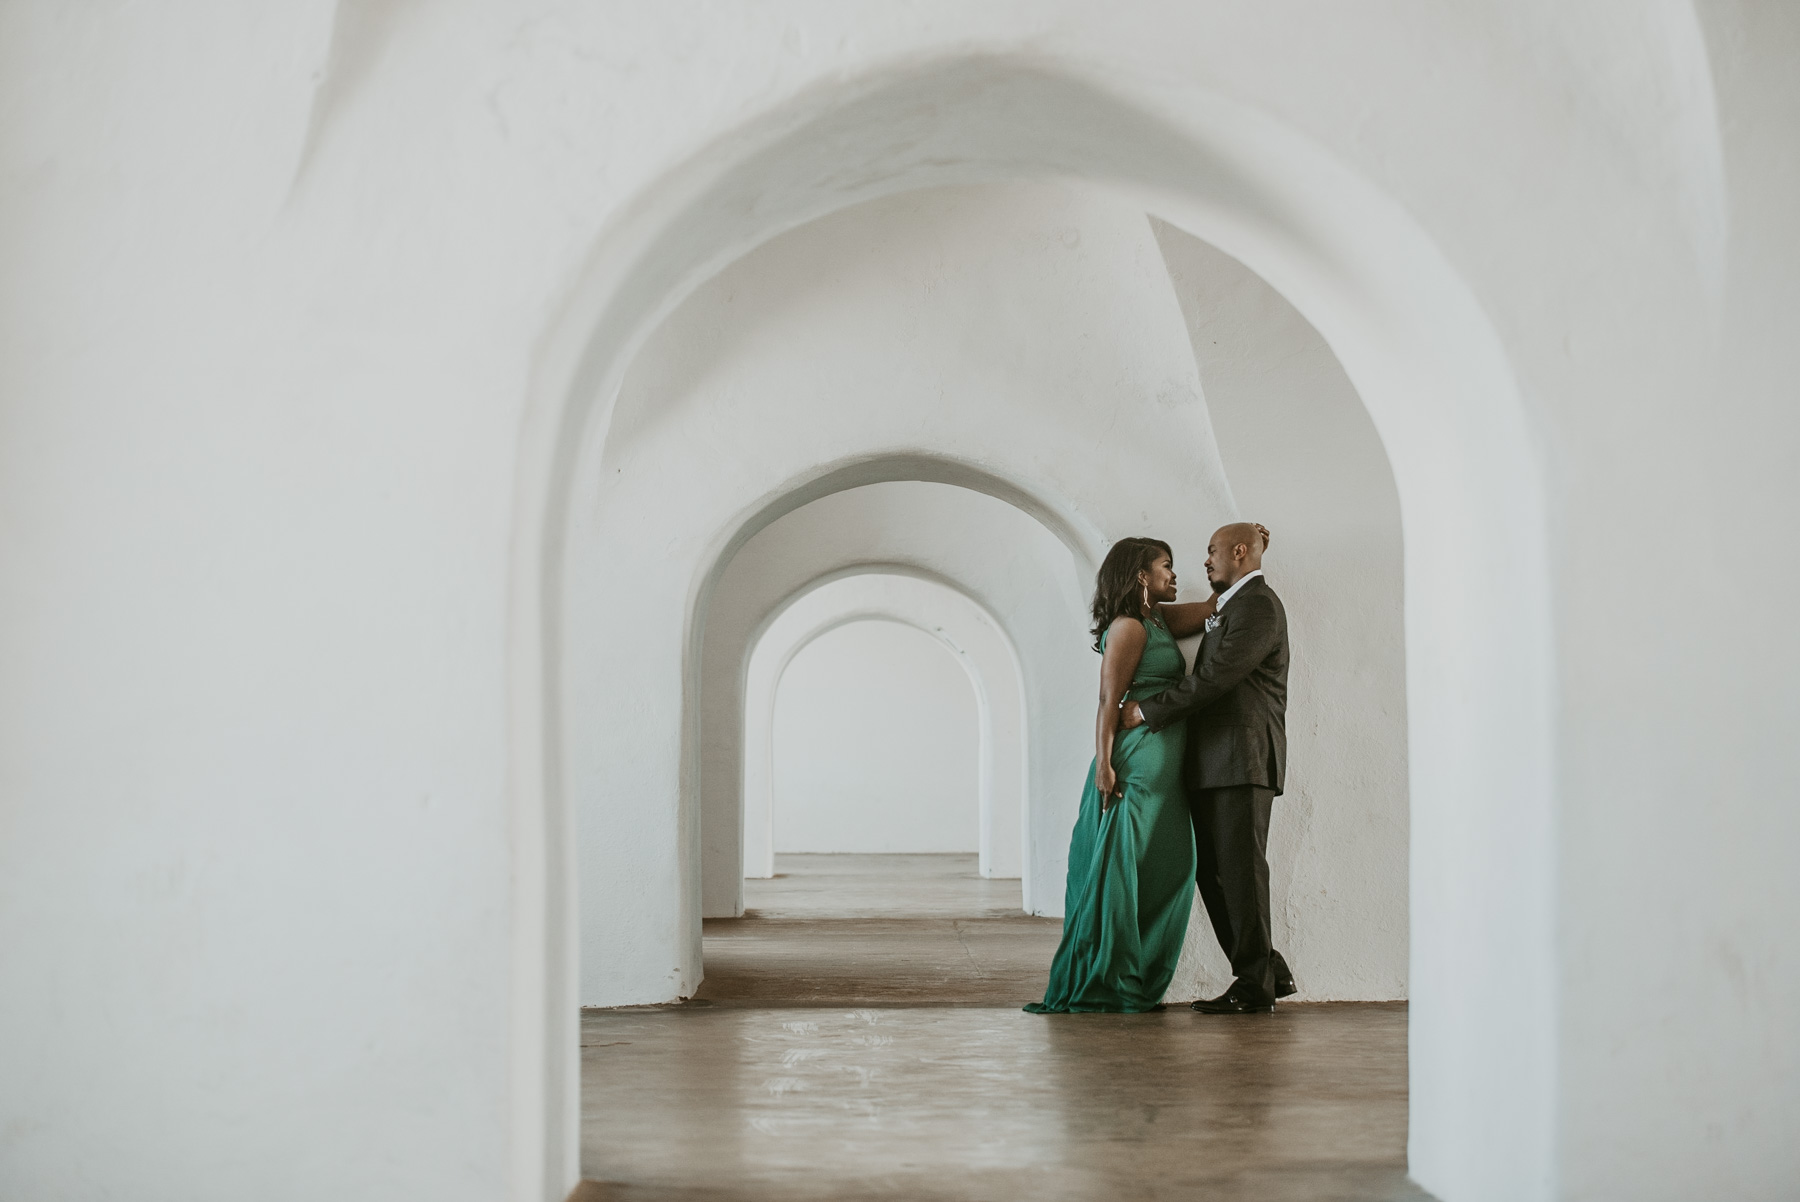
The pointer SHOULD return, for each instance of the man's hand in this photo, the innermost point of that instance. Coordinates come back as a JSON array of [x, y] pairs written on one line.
[[1130, 716]]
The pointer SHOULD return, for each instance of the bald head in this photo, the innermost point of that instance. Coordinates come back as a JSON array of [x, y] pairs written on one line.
[[1235, 551]]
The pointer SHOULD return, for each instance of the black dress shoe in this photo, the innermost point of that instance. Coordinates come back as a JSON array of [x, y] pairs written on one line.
[[1232, 1002], [1284, 976]]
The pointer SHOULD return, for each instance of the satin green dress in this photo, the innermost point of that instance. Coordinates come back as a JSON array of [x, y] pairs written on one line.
[[1131, 869]]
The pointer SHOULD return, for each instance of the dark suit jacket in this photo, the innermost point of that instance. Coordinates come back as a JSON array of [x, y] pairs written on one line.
[[1236, 697]]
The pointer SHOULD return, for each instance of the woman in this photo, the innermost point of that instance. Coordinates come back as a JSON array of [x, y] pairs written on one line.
[[1131, 858]]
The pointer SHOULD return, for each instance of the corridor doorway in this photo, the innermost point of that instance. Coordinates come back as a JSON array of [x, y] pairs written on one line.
[[875, 894], [876, 745], [1404, 333]]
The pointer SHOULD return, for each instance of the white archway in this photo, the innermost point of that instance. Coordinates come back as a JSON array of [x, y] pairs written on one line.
[[371, 277], [955, 620], [697, 464], [945, 535], [1424, 359]]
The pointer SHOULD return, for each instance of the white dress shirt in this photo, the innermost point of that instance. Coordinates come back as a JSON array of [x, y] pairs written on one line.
[[1231, 592]]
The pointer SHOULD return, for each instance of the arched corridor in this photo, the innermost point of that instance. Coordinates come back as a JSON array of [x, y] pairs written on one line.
[[995, 560], [875, 746], [424, 425], [809, 563], [956, 527], [997, 724], [1023, 543]]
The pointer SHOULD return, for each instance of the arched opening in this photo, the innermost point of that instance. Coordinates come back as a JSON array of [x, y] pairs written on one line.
[[884, 773], [878, 755], [1008, 609], [889, 767], [1424, 361], [967, 632], [933, 545], [298, 296]]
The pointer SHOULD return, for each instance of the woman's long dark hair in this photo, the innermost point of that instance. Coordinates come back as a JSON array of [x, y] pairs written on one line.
[[1117, 591]]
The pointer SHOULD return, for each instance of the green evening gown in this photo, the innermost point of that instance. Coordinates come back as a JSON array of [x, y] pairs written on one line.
[[1131, 869]]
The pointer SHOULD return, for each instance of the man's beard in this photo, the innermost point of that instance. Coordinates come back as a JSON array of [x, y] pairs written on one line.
[[1218, 586]]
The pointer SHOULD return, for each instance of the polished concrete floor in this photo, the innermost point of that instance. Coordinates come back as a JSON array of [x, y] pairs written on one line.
[[858, 1036]]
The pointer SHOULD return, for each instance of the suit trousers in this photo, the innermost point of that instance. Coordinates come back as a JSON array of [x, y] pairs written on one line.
[[1231, 834]]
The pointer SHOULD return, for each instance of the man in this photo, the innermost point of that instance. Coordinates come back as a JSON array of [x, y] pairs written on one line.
[[1235, 701]]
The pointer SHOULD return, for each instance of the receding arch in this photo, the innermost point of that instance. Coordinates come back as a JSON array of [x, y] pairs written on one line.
[[829, 539], [1424, 359], [1085, 543], [941, 611]]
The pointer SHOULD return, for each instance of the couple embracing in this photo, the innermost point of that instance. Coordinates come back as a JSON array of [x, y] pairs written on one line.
[[1186, 769]]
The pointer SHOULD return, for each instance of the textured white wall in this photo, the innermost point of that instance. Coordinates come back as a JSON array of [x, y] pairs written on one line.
[[304, 312], [876, 745]]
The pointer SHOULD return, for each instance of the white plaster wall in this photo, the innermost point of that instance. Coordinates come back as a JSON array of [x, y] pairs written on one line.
[[892, 767], [287, 389], [969, 632]]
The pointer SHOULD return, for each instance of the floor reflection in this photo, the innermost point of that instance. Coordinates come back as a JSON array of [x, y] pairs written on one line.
[[789, 1083]]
